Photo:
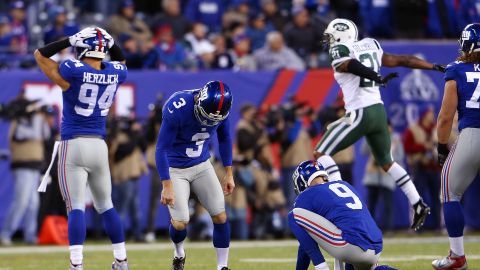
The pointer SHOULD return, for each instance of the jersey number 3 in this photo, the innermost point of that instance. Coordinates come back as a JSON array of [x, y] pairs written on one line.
[[88, 95], [199, 139], [344, 192]]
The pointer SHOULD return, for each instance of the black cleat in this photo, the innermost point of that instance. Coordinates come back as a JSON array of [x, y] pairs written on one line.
[[225, 268], [420, 213], [178, 263]]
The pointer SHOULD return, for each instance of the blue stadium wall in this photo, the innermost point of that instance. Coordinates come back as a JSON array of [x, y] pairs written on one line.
[[402, 98]]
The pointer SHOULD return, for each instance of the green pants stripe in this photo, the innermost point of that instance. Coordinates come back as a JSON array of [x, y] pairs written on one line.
[[370, 122]]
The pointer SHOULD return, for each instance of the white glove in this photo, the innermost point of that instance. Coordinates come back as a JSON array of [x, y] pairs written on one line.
[[107, 36], [77, 39]]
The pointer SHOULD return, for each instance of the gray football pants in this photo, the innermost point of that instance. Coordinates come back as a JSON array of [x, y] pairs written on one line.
[[203, 181], [80, 161], [336, 246], [461, 166]]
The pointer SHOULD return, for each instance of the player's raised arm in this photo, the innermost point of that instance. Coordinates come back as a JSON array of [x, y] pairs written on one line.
[[225, 149], [411, 61], [50, 67]]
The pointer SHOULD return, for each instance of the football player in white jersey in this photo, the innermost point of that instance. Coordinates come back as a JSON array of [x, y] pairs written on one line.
[[356, 64]]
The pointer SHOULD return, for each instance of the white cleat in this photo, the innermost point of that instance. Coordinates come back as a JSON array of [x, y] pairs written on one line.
[[120, 265]]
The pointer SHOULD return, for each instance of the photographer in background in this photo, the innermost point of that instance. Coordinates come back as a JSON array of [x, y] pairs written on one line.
[[152, 128], [128, 164], [27, 134]]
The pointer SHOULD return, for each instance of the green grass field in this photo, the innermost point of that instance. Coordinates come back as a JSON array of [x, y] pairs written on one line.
[[409, 253]]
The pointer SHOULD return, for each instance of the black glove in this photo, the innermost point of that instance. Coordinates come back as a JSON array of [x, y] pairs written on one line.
[[439, 67], [384, 80], [443, 152]]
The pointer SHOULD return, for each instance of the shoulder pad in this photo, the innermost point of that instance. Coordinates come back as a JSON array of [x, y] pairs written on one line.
[[339, 51]]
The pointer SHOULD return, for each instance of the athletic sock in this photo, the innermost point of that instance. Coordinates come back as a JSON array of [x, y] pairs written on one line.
[[119, 251], [113, 226], [455, 222], [221, 242], [322, 266], [76, 254], [331, 167], [404, 182], [76, 227], [177, 238]]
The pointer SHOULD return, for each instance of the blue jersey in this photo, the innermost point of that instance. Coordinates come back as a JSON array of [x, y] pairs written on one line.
[[467, 77], [339, 202], [183, 141], [87, 102]]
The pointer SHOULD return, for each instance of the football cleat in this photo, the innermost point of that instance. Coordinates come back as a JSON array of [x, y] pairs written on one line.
[[420, 213], [120, 265], [451, 262], [75, 267], [178, 263], [225, 268]]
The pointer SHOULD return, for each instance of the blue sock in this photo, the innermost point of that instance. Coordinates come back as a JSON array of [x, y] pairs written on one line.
[[350, 267], [382, 267], [113, 226], [221, 235], [176, 235], [76, 227], [454, 219]]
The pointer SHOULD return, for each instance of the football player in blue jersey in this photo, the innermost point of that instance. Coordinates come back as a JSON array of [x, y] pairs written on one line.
[[190, 120], [461, 164], [89, 85], [332, 216]]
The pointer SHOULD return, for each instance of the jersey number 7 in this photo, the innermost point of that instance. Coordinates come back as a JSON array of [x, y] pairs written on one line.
[[473, 102]]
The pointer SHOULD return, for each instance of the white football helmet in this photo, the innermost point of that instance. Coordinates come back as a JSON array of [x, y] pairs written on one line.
[[340, 31]]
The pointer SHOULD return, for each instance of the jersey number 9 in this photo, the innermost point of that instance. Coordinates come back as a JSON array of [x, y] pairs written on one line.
[[88, 95], [344, 192]]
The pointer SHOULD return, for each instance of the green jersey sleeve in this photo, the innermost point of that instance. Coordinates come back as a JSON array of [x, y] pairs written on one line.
[[338, 54]]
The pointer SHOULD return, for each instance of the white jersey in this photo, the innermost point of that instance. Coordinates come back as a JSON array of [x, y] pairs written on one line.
[[358, 92]]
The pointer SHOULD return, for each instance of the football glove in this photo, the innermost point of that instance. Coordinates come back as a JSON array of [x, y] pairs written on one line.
[[77, 39], [384, 80], [439, 67], [443, 152], [107, 36]]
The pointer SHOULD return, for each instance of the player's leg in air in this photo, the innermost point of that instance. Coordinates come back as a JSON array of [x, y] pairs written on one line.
[[202, 181], [82, 160], [372, 123]]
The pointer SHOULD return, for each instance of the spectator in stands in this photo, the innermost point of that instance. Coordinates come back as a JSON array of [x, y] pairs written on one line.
[[59, 27], [377, 18], [125, 22], [126, 151], [207, 12], [197, 38], [419, 141], [277, 18], [467, 12], [242, 58], [258, 30], [303, 37], [223, 59], [205, 56], [347, 9], [238, 13], [6, 37], [276, 55], [131, 51], [171, 54], [409, 19], [28, 132], [380, 186], [441, 19], [18, 26], [172, 16]]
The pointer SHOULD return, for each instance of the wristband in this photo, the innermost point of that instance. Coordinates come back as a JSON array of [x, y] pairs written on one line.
[[116, 54]]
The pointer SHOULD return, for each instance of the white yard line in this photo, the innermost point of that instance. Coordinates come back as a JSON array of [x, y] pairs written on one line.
[[382, 259], [203, 245]]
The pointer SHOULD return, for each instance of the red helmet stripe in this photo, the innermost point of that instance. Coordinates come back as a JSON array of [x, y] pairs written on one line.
[[99, 35], [222, 92]]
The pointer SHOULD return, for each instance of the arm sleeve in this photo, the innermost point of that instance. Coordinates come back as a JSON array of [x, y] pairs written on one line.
[[307, 244], [166, 137], [303, 261], [225, 142]]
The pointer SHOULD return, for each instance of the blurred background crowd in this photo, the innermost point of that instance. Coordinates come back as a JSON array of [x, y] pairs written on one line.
[[222, 34]]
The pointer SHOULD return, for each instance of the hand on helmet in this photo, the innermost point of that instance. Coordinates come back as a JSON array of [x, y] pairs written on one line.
[[384, 80], [107, 36], [77, 39]]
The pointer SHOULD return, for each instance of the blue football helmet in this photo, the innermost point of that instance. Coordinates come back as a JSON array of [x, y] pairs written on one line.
[[213, 103], [305, 173], [470, 39], [98, 47]]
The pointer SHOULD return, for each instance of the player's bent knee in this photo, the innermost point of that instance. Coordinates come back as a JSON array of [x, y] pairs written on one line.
[[103, 207], [220, 218], [387, 166], [179, 225]]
